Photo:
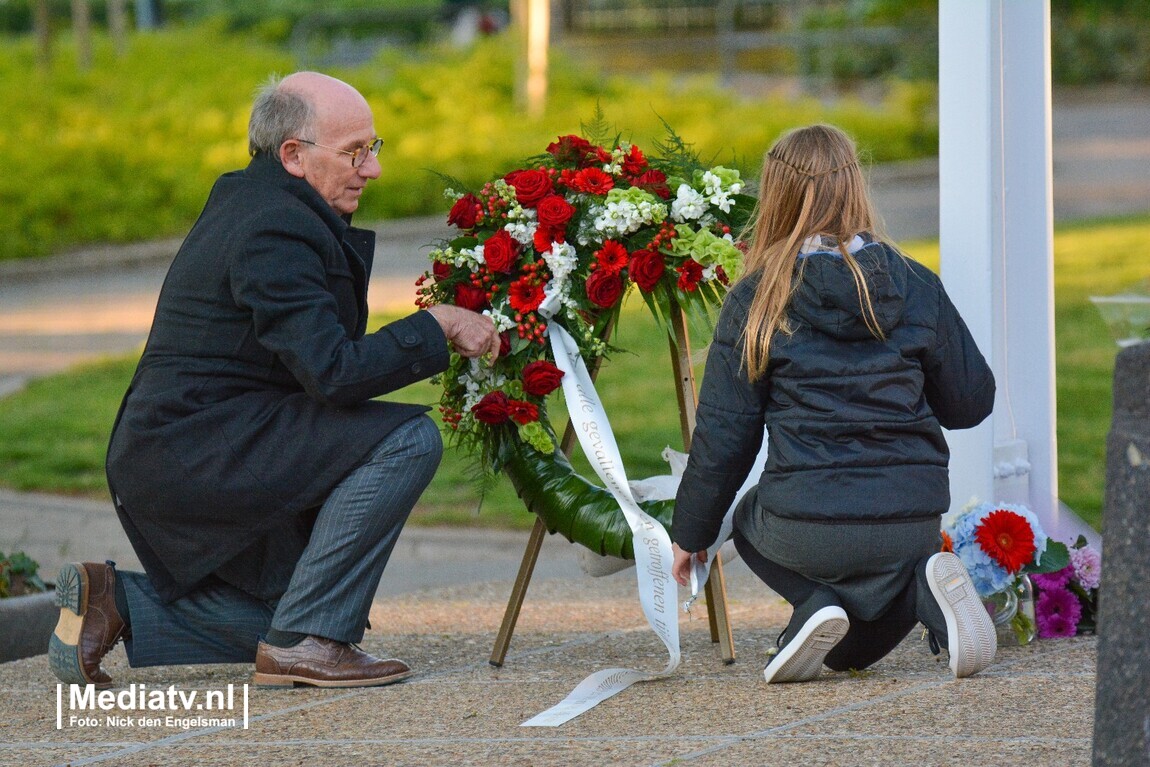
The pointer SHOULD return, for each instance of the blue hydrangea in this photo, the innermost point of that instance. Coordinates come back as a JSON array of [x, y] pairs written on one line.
[[989, 577]]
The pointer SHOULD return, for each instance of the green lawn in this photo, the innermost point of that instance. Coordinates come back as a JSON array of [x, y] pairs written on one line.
[[53, 434]]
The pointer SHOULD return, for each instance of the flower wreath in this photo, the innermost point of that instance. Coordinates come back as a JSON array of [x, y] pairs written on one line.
[[563, 240]]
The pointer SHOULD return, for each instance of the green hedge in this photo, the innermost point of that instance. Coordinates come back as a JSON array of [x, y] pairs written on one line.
[[129, 150]]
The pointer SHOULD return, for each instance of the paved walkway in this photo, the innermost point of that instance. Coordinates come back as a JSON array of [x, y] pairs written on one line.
[[1033, 708]]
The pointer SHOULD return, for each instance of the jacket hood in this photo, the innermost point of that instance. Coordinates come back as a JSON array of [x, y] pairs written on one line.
[[826, 297]]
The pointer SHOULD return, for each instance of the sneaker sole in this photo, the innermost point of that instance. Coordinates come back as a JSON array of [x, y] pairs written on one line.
[[802, 659], [971, 641], [292, 680], [64, 644]]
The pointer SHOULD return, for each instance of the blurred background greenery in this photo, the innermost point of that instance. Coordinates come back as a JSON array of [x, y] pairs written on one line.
[[122, 142], [116, 134]]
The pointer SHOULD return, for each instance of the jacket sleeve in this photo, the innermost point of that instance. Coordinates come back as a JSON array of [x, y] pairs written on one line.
[[728, 435], [959, 384], [280, 277]]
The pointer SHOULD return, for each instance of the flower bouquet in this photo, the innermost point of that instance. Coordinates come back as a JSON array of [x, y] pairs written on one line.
[[1001, 545], [562, 240], [1067, 599]]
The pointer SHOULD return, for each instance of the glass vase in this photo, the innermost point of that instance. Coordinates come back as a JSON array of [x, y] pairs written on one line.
[[1012, 611]]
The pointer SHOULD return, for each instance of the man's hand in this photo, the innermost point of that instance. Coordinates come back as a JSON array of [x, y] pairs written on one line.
[[470, 333]]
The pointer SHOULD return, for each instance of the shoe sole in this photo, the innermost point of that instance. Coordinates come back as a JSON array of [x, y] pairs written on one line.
[[64, 645], [802, 659], [292, 680], [971, 641]]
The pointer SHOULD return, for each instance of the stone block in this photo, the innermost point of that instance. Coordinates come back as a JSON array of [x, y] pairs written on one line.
[[1122, 701]]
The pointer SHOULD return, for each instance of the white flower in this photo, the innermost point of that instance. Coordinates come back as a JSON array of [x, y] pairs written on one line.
[[688, 205], [561, 261], [478, 380], [521, 224], [715, 193], [500, 320]]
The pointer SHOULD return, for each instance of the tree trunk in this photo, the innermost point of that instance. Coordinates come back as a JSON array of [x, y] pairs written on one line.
[[118, 26], [82, 31], [42, 24]]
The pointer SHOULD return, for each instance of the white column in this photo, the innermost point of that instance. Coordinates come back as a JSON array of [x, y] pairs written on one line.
[[996, 231]]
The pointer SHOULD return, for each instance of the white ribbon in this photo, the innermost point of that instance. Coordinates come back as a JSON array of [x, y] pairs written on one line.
[[650, 541], [652, 545]]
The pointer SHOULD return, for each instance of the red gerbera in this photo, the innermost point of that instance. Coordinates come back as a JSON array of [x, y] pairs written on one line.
[[634, 162], [592, 181], [612, 257], [690, 273], [522, 412], [1007, 538], [525, 294]]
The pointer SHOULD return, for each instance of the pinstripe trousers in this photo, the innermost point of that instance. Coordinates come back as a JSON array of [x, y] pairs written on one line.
[[332, 585]]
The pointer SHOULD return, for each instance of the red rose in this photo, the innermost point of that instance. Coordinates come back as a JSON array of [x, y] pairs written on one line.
[[500, 251], [689, 274], [525, 294], [465, 212], [470, 297], [653, 181], [541, 377], [604, 288], [612, 257], [441, 270], [522, 412], [504, 344], [554, 212], [570, 150], [530, 185], [646, 268], [493, 409], [592, 181]]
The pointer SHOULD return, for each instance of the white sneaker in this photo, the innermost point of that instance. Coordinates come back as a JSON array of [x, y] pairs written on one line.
[[971, 641], [801, 660]]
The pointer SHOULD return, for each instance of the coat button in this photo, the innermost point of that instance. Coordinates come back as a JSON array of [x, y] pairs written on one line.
[[411, 339], [416, 368]]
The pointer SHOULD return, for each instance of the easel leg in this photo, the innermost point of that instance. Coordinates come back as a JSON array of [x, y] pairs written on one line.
[[716, 593], [519, 592], [716, 588]]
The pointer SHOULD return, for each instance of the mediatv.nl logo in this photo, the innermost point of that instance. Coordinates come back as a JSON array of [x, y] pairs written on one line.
[[80, 705]]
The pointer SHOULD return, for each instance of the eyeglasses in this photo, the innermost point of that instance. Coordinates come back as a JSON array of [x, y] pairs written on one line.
[[358, 157]]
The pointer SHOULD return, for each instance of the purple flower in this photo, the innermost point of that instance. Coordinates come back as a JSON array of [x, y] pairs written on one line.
[[1055, 580], [1087, 565], [1057, 612]]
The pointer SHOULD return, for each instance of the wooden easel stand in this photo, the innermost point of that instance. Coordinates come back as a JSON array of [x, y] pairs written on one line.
[[716, 588]]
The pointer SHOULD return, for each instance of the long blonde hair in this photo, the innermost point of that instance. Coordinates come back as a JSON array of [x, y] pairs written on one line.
[[811, 185]]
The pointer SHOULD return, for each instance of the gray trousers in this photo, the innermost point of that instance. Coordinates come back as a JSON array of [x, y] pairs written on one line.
[[876, 572], [332, 585]]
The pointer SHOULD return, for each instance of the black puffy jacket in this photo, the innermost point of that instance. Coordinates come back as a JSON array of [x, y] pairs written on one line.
[[854, 422]]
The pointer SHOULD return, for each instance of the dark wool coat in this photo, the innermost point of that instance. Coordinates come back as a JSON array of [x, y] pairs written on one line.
[[854, 422], [253, 397]]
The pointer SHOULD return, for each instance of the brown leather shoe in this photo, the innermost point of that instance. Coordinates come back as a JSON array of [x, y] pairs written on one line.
[[321, 662], [89, 624]]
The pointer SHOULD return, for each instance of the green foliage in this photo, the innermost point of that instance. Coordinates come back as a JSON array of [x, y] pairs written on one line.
[[19, 575], [130, 149]]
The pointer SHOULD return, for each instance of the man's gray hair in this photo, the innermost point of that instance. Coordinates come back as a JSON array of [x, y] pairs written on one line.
[[277, 115]]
